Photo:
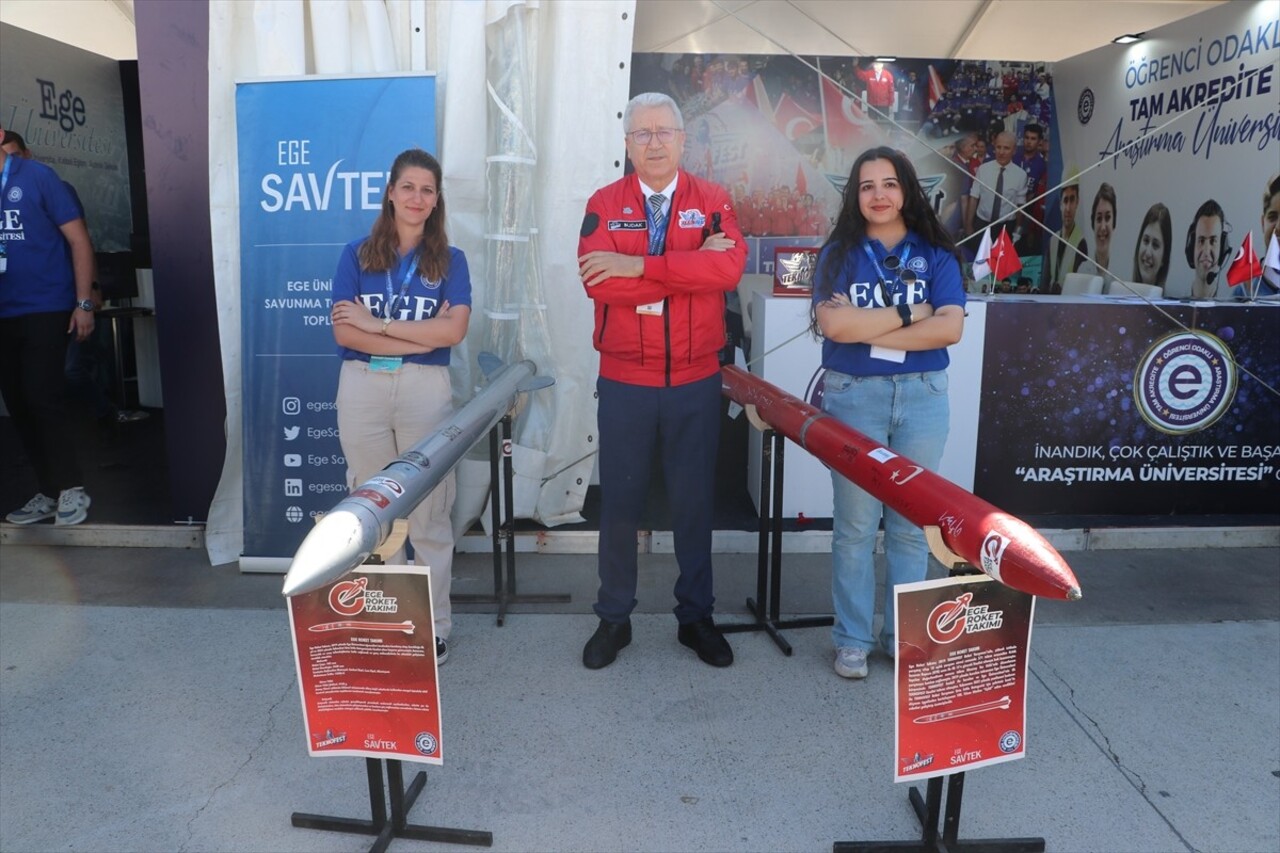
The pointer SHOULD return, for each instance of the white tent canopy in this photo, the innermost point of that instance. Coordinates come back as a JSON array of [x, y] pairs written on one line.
[[1022, 30], [1013, 30]]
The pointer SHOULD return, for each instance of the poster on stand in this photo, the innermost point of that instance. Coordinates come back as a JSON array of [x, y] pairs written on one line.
[[308, 186], [364, 647], [960, 675]]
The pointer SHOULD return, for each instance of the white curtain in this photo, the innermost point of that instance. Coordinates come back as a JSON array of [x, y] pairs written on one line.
[[583, 67]]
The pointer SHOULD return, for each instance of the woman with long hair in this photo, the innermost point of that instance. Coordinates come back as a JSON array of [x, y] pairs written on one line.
[[402, 299], [888, 299], [1102, 216], [1151, 252]]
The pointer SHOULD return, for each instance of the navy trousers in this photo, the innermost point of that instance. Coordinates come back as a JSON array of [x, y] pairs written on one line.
[[682, 426]]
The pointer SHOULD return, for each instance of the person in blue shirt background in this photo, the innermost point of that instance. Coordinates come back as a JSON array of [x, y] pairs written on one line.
[[402, 299], [88, 361], [888, 299], [44, 301]]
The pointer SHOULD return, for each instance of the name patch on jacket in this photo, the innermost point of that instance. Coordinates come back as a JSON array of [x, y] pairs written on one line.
[[627, 225], [693, 218]]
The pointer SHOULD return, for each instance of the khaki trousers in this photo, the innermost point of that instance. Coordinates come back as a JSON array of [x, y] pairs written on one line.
[[380, 416]]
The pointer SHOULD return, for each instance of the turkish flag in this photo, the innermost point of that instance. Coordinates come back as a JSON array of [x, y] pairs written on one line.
[[1004, 258], [794, 120], [802, 185], [843, 118], [1245, 266]]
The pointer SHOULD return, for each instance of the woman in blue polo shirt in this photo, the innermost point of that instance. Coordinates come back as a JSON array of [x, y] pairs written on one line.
[[888, 299], [402, 298]]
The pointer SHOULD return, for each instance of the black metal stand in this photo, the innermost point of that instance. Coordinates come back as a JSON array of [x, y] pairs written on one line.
[[927, 811], [769, 552], [120, 321], [504, 593], [398, 826]]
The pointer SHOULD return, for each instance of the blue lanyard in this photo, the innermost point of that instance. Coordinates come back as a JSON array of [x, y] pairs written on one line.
[[408, 267], [4, 178], [883, 279]]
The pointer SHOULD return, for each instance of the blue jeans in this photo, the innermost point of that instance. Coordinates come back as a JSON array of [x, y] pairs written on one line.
[[910, 415]]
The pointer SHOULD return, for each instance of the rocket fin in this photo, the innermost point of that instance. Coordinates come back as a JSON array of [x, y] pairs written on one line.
[[489, 364], [533, 383]]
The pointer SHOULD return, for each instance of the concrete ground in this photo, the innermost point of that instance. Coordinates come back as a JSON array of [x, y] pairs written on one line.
[[148, 702]]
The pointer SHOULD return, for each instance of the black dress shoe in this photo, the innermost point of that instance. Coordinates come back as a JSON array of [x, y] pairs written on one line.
[[705, 638], [605, 643]]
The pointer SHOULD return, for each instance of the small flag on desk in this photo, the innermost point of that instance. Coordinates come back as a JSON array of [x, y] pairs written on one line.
[[1004, 257], [982, 260], [1271, 267], [1244, 266]]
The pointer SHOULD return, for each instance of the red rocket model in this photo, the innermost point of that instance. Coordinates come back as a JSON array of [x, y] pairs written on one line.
[[1005, 547]]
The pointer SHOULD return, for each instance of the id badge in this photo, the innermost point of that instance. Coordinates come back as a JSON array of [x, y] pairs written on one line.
[[385, 363], [653, 309], [895, 355]]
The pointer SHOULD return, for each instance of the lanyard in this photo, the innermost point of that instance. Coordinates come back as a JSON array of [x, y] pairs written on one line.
[[883, 279], [4, 178], [409, 266]]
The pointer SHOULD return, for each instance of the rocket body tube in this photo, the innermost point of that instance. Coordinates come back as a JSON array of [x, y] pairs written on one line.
[[346, 536], [1004, 546]]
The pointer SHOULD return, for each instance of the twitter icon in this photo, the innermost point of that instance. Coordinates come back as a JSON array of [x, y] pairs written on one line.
[[291, 432]]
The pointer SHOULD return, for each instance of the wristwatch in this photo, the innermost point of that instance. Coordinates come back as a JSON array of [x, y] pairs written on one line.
[[85, 305], [386, 321], [904, 311]]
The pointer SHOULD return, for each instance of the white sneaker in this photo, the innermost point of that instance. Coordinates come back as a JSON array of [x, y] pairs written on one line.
[[73, 506], [37, 509], [851, 662], [442, 651]]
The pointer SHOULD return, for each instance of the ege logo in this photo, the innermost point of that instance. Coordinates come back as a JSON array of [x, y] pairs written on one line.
[[1185, 382]]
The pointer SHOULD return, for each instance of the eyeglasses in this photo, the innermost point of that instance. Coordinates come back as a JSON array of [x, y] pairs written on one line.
[[666, 135]]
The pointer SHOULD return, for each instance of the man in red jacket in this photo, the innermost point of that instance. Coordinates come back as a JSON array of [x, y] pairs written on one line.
[[658, 251]]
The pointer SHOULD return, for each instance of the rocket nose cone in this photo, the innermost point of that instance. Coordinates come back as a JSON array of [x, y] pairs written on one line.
[[336, 546]]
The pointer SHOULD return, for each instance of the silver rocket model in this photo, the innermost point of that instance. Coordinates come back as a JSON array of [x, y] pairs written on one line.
[[350, 532]]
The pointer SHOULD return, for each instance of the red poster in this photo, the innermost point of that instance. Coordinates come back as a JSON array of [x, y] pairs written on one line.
[[364, 647], [960, 675]]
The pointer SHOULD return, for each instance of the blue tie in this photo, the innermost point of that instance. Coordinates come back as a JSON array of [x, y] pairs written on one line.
[[659, 233]]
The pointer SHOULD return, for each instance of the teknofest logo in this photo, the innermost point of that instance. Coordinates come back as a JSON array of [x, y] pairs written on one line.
[[1185, 382]]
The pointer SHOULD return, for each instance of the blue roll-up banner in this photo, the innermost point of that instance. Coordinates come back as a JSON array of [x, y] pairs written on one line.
[[315, 155]]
